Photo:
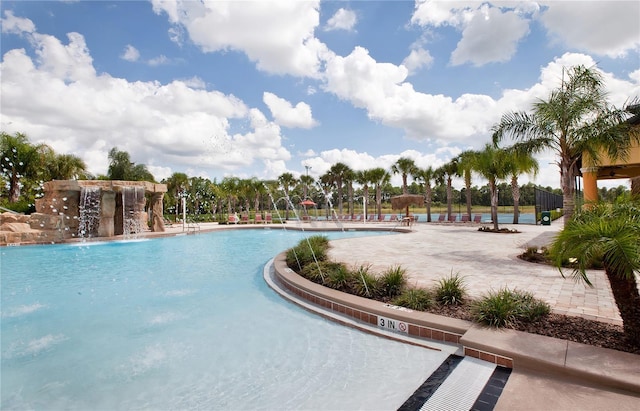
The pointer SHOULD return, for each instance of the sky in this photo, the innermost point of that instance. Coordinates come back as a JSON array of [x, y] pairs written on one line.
[[258, 88]]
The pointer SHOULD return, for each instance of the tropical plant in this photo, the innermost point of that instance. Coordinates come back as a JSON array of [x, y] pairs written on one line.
[[392, 281], [339, 172], [417, 299], [365, 284], [338, 277], [65, 167], [575, 119], [450, 290], [122, 168], [446, 173], [426, 175], [492, 164], [609, 233], [379, 177], [286, 180], [505, 308], [364, 177], [19, 161], [464, 163], [405, 167], [519, 162]]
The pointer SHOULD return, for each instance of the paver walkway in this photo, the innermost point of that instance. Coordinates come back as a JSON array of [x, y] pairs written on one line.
[[487, 261]]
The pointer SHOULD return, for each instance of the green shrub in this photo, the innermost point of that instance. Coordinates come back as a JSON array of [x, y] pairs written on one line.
[[339, 277], [506, 307], [450, 290], [307, 251], [417, 299], [365, 284], [319, 273], [393, 281]]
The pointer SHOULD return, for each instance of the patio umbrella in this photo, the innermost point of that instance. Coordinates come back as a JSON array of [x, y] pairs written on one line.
[[405, 200], [307, 203]]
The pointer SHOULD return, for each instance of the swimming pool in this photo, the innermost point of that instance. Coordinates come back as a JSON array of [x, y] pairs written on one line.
[[184, 323]]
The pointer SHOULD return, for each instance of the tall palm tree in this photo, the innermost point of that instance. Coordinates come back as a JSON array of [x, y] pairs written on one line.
[[404, 166], [379, 177], [286, 180], [465, 166], [575, 119], [365, 178], [519, 162], [447, 172], [66, 167], [349, 178], [427, 175], [609, 234], [307, 181], [326, 183], [492, 164], [340, 172]]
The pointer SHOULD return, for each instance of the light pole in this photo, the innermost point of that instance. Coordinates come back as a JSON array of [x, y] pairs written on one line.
[[183, 199]]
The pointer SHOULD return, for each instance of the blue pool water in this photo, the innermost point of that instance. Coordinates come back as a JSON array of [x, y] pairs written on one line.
[[183, 323]]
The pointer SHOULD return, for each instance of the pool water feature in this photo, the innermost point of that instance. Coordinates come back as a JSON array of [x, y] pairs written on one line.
[[184, 323]]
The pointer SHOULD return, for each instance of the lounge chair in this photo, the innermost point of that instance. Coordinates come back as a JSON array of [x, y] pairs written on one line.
[[477, 218], [233, 219], [453, 218], [441, 217], [259, 219], [244, 219], [268, 219], [394, 217], [465, 218]]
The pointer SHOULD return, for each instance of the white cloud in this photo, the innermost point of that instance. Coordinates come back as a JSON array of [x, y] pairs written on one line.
[[16, 25], [288, 116], [277, 35], [158, 61], [602, 27], [130, 53], [343, 19], [59, 98], [489, 36], [418, 58]]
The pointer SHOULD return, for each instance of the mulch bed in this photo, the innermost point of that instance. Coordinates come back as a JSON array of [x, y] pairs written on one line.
[[565, 327]]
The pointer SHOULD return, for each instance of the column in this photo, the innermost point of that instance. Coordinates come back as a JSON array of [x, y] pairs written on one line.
[[590, 182]]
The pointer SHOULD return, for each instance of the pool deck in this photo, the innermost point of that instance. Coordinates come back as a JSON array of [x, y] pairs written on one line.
[[547, 373]]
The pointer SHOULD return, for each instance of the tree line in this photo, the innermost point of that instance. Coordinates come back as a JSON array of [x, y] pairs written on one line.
[[575, 121]]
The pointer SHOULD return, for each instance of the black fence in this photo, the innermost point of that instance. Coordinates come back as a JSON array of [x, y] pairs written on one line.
[[547, 201]]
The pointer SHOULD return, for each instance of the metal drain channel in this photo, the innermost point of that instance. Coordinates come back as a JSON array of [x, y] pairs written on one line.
[[462, 387]]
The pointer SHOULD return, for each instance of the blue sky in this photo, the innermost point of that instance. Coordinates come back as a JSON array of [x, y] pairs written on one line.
[[258, 88]]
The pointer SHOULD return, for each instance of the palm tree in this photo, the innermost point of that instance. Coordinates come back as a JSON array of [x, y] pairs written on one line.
[[379, 177], [286, 180], [177, 184], [340, 172], [426, 175], [519, 162], [326, 183], [575, 119], [406, 167], [492, 164], [66, 167], [19, 160], [364, 177], [306, 181], [610, 234], [447, 172], [465, 166]]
